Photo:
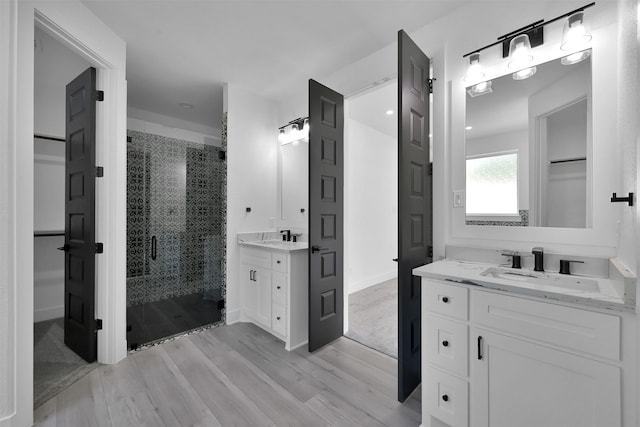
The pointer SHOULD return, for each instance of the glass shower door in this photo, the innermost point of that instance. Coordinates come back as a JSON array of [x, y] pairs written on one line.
[[175, 231]]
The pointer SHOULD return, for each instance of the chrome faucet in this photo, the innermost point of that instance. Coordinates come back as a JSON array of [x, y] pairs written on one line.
[[538, 258]]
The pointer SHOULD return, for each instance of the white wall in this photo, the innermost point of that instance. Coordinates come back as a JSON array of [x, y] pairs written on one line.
[[54, 67], [371, 206], [252, 144]]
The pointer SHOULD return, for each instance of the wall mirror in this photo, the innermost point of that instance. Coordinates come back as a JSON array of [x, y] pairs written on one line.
[[528, 149], [294, 178]]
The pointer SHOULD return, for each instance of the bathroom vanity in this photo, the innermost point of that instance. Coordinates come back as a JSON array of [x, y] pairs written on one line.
[[274, 279], [511, 347]]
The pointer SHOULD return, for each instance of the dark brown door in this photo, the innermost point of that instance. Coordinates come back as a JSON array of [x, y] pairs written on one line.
[[414, 204], [326, 239], [80, 243]]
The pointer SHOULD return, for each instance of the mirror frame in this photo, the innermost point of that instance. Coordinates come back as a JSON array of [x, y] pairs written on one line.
[[601, 238]]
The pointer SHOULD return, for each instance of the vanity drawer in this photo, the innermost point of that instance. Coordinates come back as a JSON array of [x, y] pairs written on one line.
[[279, 288], [575, 329], [445, 397], [256, 257], [279, 261], [448, 300], [279, 319], [446, 344]]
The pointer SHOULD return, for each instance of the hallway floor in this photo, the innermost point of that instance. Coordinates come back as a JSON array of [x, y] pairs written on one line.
[[373, 317], [237, 375], [55, 366]]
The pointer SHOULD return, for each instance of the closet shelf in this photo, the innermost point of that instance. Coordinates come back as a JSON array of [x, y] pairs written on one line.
[[48, 233], [568, 160]]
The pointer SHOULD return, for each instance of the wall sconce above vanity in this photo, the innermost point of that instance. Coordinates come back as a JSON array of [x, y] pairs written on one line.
[[294, 131], [517, 47]]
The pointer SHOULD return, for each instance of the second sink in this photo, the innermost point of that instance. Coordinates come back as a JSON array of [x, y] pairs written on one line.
[[543, 279]]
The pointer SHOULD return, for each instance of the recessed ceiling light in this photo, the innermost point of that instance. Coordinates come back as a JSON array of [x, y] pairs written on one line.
[[469, 127], [389, 112], [186, 106]]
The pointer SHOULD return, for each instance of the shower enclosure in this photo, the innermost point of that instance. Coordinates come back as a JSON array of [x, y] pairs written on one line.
[[175, 236]]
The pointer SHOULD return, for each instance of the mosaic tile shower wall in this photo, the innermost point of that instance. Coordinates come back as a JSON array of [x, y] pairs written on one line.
[[175, 198]]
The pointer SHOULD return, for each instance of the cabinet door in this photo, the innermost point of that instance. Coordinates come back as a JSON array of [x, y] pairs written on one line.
[[250, 287], [518, 383], [263, 295]]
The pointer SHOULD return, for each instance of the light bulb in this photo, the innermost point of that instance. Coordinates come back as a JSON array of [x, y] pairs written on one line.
[[575, 34], [519, 52], [475, 71]]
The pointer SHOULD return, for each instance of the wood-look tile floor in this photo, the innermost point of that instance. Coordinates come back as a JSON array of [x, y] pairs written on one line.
[[237, 375]]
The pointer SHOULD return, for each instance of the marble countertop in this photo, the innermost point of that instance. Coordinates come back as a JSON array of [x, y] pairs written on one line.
[[276, 245], [470, 273]]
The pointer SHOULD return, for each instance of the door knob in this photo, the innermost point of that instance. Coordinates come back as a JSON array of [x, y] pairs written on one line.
[[64, 248]]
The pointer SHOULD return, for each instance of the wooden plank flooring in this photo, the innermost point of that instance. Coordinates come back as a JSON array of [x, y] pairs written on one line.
[[237, 375]]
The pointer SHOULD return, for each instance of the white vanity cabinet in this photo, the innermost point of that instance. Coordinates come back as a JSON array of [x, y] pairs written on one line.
[[493, 359], [275, 288]]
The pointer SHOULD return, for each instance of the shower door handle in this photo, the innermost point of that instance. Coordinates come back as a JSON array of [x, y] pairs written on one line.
[[154, 247]]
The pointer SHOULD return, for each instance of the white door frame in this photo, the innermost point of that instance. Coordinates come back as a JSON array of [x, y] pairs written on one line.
[[74, 25]]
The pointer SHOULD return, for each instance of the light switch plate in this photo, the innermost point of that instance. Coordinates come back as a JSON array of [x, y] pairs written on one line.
[[458, 199]]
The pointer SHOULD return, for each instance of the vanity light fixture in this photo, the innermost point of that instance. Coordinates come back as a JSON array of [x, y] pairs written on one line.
[[574, 58], [575, 34], [295, 130], [520, 52], [517, 44]]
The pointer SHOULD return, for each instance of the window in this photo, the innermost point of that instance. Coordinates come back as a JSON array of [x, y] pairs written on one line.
[[492, 184]]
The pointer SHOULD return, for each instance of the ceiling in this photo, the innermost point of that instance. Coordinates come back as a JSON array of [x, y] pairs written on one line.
[[183, 51], [371, 108]]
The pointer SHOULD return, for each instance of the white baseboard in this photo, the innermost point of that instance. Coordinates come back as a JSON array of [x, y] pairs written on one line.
[[297, 346], [48, 313], [234, 316], [370, 281]]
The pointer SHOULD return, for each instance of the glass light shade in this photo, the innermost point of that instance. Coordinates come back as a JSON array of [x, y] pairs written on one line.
[[524, 73], [574, 58], [480, 89], [575, 34], [520, 52], [475, 72]]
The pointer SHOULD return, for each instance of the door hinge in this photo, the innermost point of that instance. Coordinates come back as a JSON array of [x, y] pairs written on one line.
[[99, 95], [129, 139], [430, 251], [222, 155], [98, 325], [430, 84], [220, 304], [99, 171], [430, 169], [99, 248]]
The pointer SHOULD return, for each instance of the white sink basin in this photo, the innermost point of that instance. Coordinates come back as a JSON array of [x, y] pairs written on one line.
[[543, 279]]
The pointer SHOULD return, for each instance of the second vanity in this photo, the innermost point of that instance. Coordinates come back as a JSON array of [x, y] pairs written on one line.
[[274, 279], [507, 347]]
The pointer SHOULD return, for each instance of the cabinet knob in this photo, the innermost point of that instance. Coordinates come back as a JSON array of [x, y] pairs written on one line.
[[278, 262], [445, 299], [445, 397], [445, 343], [278, 318], [277, 287]]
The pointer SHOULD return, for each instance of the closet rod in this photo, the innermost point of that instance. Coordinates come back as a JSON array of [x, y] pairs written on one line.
[[576, 159], [48, 233], [50, 138]]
